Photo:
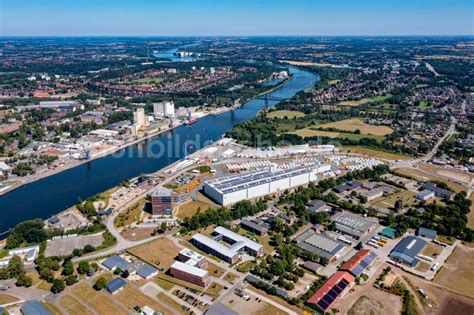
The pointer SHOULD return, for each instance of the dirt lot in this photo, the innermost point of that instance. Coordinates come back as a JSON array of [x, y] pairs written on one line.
[[356, 123], [64, 247], [6, 298], [423, 266], [131, 296], [427, 176], [137, 234], [159, 253], [190, 208], [457, 273], [380, 302], [432, 250], [455, 305], [253, 307]]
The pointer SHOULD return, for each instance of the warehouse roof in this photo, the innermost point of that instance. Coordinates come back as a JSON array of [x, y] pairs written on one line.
[[220, 309], [116, 262], [331, 289], [145, 271], [189, 269], [429, 233], [357, 263], [234, 183], [354, 222], [318, 244], [318, 205], [255, 226], [115, 284], [407, 249], [34, 307]]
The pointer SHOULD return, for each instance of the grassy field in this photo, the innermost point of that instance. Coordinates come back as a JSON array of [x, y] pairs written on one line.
[[214, 289], [190, 208], [245, 266], [457, 273], [73, 306], [308, 132], [159, 253], [354, 124], [52, 308], [103, 304], [376, 153], [366, 100], [83, 292], [130, 215], [285, 113], [163, 298], [427, 176], [215, 270], [131, 296], [231, 277], [147, 80], [164, 284], [7, 298], [407, 197]]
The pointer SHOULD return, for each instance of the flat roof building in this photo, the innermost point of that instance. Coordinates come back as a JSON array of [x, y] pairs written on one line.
[[388, 232], [318, 206], [165, 201], [439, 192], [259, 229], [190, 274], [116, 261], [239, 243], [319, 244], [330, 290], [425, 195], [115, 285], [231, 189], [428, 233], [215, 248], [220, 309], [407, 250], [146, 271], [352, 224], [34, 307], [192, 258]]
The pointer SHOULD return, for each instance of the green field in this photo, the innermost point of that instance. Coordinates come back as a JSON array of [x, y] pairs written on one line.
[[147, 80], [308, 132], [367, 100], [285, 113]]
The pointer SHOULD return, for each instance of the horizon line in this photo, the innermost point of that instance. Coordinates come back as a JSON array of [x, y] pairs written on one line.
[[214, 36]]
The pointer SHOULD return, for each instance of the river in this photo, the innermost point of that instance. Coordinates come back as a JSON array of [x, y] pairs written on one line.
[[51, 195]]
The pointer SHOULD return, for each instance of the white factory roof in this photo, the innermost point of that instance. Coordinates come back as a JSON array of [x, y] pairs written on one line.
[[238, 182], [240, 241], [209, 242], [189, 269]]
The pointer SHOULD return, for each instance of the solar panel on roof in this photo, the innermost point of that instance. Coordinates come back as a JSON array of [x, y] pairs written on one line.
[[327, 299], [357, 270], [323, 305], [344, 281], [337, 290], [332, 294]]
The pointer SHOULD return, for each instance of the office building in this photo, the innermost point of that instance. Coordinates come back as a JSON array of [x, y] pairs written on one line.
[[164, 201], [251, 226], [231, 189], [189, 273], [238, 245], [191, 257]]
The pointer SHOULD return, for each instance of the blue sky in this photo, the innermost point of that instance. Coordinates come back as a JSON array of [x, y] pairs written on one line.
[[244, 17]]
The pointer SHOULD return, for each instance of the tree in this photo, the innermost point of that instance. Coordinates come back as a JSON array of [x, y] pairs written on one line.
[[24, 280], [78, 252], [358, 246], [398, 205], [58, 286], [46, 274], [89, 248], [15, 267], [4, 273], [117, 271], [68, 268], [100, 283], [70, 280], [83, 267]]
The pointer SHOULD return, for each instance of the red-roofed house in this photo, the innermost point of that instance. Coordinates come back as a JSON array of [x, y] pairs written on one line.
[[330, 290], [359, 262]]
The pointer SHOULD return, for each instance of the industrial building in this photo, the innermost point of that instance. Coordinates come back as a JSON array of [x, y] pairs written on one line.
[[230, 254], [439, 192], [318, 206], [352, 224], [163, 109], [189, 273], [407, 250], [331, 290], [428, 233], [425, 195], [256, 228], [139, 117], [231, 189], [362, 260], [319, 244], [349, 186], [164, 201]]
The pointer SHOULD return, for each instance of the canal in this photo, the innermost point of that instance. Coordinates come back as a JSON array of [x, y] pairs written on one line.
[[53, 194]]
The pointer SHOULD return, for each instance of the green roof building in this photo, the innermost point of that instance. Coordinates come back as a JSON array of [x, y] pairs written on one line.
[[388, 232]]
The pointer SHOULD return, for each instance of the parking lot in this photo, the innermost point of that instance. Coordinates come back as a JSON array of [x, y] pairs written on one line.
[[65, 246]]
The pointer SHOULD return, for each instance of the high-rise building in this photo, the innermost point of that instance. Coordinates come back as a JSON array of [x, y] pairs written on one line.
[[165, 201]]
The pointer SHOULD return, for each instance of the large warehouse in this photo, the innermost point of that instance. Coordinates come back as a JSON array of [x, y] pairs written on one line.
[[231, 189], [319, 244], [407, 250], [352, 224]]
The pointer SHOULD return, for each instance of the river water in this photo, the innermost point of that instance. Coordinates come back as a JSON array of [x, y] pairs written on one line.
[[48, 196]]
